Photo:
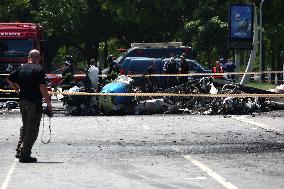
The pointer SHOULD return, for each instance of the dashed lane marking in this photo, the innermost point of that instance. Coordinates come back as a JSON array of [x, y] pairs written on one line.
[[211, 173], [5, 184], [145, 127], [244, 119], [196, 178]]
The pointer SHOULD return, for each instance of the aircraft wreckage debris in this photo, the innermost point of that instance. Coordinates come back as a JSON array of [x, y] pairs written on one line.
[[107, 105]]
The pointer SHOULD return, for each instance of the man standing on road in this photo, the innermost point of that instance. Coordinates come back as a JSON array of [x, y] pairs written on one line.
[[29, 81]]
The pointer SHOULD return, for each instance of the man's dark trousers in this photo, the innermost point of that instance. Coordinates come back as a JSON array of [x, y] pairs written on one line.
[[31, 115]]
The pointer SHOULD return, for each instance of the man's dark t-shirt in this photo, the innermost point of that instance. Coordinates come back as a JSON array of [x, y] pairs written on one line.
[[29, 77]]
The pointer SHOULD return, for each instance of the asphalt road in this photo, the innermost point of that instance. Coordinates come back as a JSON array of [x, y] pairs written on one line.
[[165, 152]]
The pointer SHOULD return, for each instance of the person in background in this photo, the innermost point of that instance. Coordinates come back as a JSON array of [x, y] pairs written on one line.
[[110, 61], [218, 69], [29, 81], [230, 67], [93, 75], [67, 76], [151, 68], [171, 67], [183, 69], [151, 81], [222, 62], [113, 69]]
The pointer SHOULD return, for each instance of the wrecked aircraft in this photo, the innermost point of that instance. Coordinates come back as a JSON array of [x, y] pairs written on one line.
[[110, 105]]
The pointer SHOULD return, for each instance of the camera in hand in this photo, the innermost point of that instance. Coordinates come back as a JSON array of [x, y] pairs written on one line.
[[47, 112]]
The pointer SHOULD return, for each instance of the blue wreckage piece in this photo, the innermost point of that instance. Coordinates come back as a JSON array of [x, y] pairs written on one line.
[[113, 103]]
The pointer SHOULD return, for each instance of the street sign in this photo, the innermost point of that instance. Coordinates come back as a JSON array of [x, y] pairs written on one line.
[[241, 23]]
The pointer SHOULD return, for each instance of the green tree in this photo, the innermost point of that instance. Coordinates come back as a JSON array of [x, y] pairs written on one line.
[[90, 26], [207, 30], [148, 20], [273, 32], [18, 10], [208, 35], [82, 24]]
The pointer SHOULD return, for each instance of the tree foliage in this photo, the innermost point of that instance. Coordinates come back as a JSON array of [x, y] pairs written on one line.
[[82, 24], [90, 26]]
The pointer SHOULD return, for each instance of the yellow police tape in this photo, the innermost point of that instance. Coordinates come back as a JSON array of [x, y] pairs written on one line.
[[207, 74], [190, 74], [242, 95], [182, 75]]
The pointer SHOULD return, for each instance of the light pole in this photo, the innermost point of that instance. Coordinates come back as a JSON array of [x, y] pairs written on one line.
[[260, 40]]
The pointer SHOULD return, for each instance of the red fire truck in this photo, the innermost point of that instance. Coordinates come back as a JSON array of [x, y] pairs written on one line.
[[16, 40]]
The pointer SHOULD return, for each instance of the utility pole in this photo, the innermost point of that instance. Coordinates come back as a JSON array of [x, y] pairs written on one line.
[[260, 40], [237, 62], [282, 61], [252, 57]]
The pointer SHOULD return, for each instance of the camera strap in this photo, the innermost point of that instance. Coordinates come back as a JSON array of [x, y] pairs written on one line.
[[49, 127]]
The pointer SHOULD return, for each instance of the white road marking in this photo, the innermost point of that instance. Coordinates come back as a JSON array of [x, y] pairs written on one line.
[[196, 178], [211, 173], [244, 119], [9, 175], [145, 127]]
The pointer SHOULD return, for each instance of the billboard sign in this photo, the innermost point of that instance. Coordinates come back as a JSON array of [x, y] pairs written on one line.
[[241, 20]]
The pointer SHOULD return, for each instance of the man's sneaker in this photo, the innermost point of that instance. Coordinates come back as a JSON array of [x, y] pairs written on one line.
[[27, 159]]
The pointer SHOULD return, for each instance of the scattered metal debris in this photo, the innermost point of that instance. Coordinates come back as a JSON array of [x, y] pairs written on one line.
[[279, 89], [86, 105], [9, 105], [155, 106], [80, 105], [224, 106]]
